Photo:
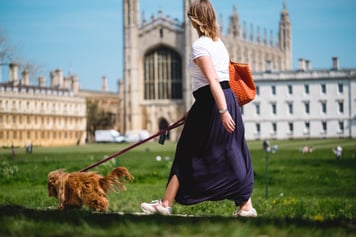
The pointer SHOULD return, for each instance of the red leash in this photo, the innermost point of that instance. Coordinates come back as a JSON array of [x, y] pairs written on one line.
[[161, 133]]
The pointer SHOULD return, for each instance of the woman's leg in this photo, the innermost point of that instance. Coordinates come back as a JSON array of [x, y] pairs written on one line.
[[246, 210], [171, 192], [163, 206], [247, 205]]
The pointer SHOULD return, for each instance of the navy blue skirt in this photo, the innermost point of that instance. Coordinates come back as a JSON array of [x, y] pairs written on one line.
[[210, 163]]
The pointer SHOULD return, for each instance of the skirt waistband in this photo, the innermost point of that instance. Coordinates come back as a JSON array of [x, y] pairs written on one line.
[[206, 89]]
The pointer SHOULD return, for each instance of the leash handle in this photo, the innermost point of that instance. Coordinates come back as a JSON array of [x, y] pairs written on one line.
[[161, 132]]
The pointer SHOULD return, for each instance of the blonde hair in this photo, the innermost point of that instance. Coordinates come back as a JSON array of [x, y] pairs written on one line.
[[203, 18]]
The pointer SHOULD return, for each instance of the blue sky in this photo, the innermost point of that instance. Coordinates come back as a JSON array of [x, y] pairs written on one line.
[[84, 37]]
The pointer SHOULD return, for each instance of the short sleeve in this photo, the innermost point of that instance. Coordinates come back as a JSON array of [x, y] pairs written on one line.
[[199, 49]]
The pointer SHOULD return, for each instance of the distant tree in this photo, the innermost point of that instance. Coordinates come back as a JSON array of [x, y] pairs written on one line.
[[7, 55], [5, 52], [98, 119], [92, 118], [106, 120]]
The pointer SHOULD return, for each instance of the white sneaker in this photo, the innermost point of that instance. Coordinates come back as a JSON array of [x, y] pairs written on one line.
[[242, 213], [156, 207]]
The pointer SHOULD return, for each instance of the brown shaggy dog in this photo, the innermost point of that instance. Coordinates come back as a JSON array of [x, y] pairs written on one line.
[[89, 188]]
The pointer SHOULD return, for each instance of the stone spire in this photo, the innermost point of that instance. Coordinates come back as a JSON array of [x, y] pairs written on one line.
[[285, 37], [284, 29], [234, 24]]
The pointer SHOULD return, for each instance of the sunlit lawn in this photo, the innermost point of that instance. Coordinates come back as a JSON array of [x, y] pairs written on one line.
[[308, 194]]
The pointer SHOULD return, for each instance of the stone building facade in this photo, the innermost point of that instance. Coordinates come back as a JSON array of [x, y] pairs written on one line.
[[40, 115], [157, 88], [305, 103], [54, 114]]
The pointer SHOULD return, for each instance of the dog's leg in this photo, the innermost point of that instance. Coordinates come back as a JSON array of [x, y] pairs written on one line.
[[62, 193], [97, 201], [102, 204]]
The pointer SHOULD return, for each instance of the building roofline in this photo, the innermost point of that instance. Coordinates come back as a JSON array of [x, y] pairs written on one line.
[[307, 75]]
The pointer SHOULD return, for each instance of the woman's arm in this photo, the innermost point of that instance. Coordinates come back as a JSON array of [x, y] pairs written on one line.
[[207, 68]]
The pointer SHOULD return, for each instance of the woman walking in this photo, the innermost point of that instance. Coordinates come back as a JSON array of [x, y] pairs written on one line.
[[212, 161]]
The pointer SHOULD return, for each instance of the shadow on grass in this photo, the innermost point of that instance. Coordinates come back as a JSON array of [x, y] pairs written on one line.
[[140, 225]]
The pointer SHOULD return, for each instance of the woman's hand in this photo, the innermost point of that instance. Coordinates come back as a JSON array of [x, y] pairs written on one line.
[[228, 122]]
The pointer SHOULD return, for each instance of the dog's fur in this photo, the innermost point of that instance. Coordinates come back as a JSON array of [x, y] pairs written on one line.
[[89, 188]]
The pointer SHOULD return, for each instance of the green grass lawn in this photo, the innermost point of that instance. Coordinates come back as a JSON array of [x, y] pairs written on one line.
[[308, 194]]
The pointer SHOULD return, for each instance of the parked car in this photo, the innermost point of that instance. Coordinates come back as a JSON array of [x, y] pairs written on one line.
[[109, 136], [136, 136]]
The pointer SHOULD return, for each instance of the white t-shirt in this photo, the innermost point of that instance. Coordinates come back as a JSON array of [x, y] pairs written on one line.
[[205, 46]]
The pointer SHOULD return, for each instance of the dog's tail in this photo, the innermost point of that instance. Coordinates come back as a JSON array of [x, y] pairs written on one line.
[[116, 180]]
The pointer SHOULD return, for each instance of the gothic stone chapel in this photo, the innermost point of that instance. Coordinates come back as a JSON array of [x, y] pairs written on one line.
[[156, 88]]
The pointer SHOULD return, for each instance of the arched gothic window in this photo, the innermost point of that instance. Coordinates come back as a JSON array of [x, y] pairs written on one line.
[[162, 74]]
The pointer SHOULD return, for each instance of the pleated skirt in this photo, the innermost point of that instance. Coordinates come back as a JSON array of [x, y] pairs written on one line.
[[210, 163]]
